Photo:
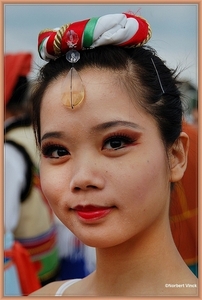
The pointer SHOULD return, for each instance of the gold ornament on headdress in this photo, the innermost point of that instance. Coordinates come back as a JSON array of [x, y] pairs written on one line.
[[72, 89]]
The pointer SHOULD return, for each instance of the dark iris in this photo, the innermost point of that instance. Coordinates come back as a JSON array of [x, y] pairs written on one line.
[[116, 143], [61, 152]]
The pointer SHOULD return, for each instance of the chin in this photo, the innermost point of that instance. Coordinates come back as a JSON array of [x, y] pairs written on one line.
[[98, 241]]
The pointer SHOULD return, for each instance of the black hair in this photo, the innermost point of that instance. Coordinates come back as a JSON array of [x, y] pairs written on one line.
[[139, 69]]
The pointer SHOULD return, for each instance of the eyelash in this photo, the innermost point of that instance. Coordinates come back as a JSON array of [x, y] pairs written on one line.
[[48, 149], [122, 137]]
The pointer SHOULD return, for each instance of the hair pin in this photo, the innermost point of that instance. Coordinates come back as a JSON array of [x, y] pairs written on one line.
[[159, 79], [73, 89]]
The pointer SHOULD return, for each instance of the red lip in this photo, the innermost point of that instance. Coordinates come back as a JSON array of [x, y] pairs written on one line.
[[91, 212]]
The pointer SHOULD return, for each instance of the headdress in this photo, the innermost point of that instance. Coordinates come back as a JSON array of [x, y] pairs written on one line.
[[123, 29]]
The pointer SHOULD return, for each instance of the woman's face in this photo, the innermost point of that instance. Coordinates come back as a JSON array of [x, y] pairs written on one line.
[[104, 168]]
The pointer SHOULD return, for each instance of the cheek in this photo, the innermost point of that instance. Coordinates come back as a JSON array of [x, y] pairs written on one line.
[[147, 197], [148, 181], [51, 185]]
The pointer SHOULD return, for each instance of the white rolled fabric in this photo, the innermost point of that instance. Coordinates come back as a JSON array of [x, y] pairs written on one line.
[[114, 29]]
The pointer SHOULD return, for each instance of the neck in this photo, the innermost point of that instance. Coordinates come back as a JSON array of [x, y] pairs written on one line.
[[142, 265]]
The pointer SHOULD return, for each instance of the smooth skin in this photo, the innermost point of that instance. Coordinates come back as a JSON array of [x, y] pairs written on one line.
[[108, 152]]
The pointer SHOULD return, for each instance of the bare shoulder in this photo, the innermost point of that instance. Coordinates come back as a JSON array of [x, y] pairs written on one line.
[[48, 290]]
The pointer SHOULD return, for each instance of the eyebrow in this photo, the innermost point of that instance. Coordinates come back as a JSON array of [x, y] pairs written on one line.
[[116, 123], [53, 134], [97, 128]]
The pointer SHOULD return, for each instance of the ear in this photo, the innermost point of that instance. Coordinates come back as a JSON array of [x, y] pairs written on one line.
[[178, 154]]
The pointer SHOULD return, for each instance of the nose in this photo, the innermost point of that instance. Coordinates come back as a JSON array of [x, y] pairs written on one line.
[[86, 176]]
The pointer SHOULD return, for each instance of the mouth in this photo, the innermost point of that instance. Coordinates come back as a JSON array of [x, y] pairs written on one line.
[[90, 212]]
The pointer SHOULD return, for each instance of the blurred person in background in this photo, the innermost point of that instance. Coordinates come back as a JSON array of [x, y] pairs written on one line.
[[20, 276], [28, 219], [11, 278]]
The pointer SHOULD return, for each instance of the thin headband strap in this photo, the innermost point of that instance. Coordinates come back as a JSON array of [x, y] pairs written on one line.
[[125, 30]]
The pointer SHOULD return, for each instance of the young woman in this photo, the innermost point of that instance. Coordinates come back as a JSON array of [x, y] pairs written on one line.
[[107, 116]]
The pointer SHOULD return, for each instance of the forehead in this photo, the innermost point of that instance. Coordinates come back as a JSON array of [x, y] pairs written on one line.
[[97, 83], [106, 98]]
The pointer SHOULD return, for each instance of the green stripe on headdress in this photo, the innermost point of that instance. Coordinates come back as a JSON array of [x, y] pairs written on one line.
[[88, 32]]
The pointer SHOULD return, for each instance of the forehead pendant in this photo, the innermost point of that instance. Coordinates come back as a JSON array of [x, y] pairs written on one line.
[[72, 89]]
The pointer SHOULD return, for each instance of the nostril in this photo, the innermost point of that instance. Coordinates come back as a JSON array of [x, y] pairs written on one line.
[[77, 188], [91, 186]]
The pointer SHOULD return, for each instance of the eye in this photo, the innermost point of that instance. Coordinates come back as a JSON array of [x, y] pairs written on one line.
[[117, 142], [54, 151]]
